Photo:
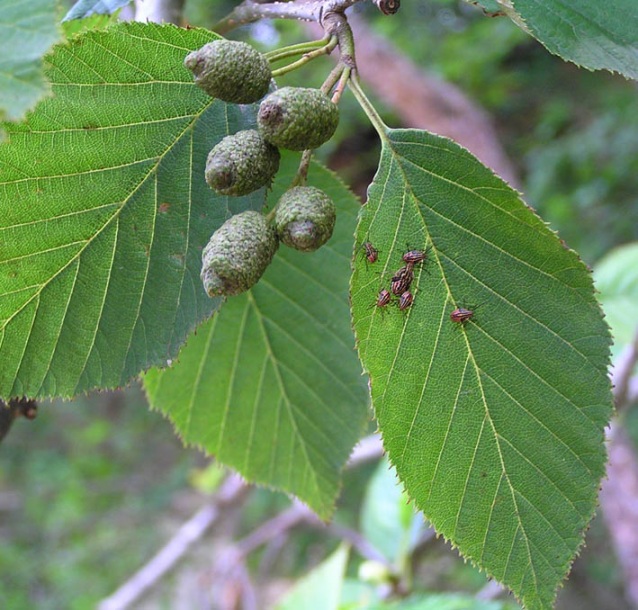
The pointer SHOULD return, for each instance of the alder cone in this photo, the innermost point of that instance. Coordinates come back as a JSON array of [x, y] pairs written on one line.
[[230, 71], [297, 118], [305, 218], [237, 254], [241, 163]]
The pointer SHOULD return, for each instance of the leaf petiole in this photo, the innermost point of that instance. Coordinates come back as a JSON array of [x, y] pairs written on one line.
[[296, 49], [324, 50], [366, 104]]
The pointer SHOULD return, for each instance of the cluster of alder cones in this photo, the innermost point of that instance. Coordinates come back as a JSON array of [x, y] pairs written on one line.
[[294, 118]]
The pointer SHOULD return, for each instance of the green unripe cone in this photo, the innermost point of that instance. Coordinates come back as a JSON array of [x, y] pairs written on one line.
[[297, 118], [305, 218], [230, 71], [237, 254], [241, 163]]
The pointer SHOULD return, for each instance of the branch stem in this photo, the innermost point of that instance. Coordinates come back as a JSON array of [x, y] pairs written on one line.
[[302, 172], [250, 11]]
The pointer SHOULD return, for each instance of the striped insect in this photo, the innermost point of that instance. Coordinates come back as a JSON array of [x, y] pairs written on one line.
[[402, 279], [406, 300], [461, 315], [383, 298], [413, 257], [371, 253]]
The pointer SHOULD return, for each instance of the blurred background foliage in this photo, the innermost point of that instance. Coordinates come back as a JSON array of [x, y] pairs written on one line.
[[92, 488]]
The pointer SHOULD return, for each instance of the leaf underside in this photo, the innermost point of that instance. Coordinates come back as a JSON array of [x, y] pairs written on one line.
[[593, 34], [272, 384], [495, 426], [104, 212]]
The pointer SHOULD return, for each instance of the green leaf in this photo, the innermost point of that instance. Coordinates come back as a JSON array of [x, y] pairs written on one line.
[[388, 521], [104, 212], [272, 385], [594, 34], [321, 589], [495, 427], [27, 30], [617, 280], [86, 8]]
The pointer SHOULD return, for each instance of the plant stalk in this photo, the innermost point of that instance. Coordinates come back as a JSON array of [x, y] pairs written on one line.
[[295, 49], [368, 108], [326, 49]]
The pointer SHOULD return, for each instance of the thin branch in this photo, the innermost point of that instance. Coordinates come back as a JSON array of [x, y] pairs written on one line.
[[423, 101], [622, 373], [249, 595], [232, 491], [358, 541], [619, 492], [619, 507], [332, 78], [302, 172], [368, 449], [273, 528], [250, 11], [300, 514], [492, 590], [14, 408]]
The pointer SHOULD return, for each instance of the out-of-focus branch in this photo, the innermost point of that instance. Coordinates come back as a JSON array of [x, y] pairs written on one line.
[[619, 493], [425, 102], [368, 449], [622, 375], [16, 407], [250, 11], [167, 11], [232, 492], [619, 504]]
